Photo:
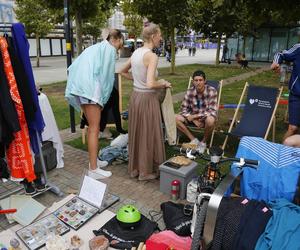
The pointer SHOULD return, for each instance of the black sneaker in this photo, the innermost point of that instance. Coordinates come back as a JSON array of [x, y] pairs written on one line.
[[29, 188], [39, 186]]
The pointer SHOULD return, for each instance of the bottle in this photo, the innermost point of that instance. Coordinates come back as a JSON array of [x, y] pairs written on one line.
[[283, 73], [175, 188]]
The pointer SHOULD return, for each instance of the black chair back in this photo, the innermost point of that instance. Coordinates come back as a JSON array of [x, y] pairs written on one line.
[[257, 114]]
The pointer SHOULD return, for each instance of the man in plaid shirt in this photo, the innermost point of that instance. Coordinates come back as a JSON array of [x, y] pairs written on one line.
[[199, 108]]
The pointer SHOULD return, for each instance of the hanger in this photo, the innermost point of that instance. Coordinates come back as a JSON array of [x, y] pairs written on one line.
[[5, 27]]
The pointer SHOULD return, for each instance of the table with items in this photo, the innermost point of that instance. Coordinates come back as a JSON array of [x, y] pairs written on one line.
[[35, 235]]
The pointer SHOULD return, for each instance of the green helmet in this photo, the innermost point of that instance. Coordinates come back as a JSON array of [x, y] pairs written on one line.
[[128, 214]]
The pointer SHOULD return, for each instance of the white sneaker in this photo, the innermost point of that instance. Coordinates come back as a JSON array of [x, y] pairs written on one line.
[[99, 173], [106, 134], [201, 147], [195, 141], [101, 164]]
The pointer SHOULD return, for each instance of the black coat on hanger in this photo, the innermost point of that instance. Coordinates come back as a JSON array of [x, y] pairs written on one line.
[[9, 122], [22, 82]]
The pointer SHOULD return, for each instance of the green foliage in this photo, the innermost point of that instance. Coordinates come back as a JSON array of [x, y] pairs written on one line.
[[91, 12], [169, 14], [133, 21], [37, 19], [92, 25]]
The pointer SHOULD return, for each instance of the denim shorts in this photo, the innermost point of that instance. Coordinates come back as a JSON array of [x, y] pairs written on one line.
[[294, 109], [82, 100]]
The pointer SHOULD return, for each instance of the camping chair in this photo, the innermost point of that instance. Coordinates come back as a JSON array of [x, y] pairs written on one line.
[[259, 113], [110, 118], [218, 86]]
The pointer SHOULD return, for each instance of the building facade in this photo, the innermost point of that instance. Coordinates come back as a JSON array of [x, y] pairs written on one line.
[[7, 14], [267, 42], [116, 20]]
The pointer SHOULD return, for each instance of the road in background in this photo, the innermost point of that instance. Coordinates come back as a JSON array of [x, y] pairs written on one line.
[[53, 69]]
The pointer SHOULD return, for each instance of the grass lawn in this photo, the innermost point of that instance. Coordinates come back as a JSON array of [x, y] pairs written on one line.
[[55, 91], [230, 95]]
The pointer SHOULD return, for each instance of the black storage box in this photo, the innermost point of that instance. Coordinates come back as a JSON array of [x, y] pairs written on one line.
[[49, 153]]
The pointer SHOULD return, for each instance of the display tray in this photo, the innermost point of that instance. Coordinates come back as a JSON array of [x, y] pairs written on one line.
[[76, 212], [172, 165], [34, 235], [110, 199]]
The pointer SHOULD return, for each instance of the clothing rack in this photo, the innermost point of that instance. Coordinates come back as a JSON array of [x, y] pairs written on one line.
[[49, 186], [6, 28]]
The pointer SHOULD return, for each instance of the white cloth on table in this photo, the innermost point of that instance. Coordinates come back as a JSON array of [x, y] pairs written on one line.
[[51, 132]]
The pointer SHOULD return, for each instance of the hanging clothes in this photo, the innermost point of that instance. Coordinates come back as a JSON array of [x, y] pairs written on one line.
[[9, 123], [22, 83], [18, 154], [22, 48]]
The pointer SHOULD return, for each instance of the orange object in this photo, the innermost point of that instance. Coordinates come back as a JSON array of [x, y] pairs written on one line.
[[8, 211], [18, 154]]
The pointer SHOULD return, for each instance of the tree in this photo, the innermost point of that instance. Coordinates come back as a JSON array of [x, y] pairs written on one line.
[[93, 25], [133, 21], [213, 19], [82, 10], [37, 19], [252, 14], [169, 14]]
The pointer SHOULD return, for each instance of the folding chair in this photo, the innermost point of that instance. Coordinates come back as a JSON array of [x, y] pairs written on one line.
[[218, 86], [259, 112], [110, 118]]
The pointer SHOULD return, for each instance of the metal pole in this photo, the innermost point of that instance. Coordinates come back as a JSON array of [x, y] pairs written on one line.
[[69, 54]]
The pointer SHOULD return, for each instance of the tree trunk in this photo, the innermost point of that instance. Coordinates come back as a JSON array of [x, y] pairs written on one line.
[[173, 51], [244, 45], [218, 49], [78, 21], [37, 39]]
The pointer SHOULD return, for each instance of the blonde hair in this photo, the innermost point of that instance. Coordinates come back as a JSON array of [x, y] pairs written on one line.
[[116, 34], [150, 30]]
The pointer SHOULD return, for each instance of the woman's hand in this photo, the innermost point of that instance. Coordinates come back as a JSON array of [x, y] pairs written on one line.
[[165, 84]]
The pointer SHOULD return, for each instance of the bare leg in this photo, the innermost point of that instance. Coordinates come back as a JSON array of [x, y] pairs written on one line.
[[93, 116], [292, 129], [209, 126], [181, 126], [292, 141]]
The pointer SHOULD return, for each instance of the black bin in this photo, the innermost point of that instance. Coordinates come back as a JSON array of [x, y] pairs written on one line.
[[49, 153]]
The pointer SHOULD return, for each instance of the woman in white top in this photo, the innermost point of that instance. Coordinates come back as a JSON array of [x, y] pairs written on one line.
[[146, 144]]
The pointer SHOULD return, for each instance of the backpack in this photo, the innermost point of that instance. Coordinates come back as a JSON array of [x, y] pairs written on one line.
[[126, 238], [175, 219]]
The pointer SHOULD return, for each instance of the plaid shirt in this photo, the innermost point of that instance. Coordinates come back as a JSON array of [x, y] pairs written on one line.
[[202, 104]]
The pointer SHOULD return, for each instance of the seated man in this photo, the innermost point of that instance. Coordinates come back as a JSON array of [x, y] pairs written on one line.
[[199, 108]]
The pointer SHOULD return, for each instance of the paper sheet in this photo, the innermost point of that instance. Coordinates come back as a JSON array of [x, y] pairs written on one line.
[[92, 191]]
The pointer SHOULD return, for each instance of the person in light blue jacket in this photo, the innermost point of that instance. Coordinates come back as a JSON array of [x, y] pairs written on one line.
[[90, 83]]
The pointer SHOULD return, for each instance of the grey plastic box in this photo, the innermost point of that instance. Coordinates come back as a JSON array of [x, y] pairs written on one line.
[[184, 174]]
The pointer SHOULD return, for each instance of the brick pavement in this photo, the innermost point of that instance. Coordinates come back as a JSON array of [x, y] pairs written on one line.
[[145, 195]]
